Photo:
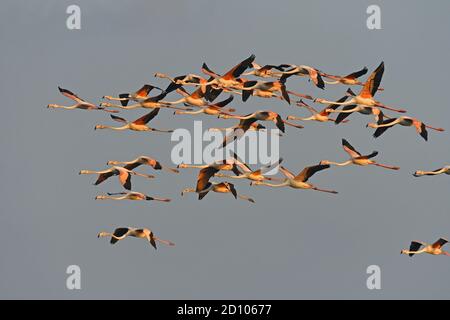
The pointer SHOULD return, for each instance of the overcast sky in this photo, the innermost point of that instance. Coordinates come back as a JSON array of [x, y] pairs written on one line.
[[291, 244]]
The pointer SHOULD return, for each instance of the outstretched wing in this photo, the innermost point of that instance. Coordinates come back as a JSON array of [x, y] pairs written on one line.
[[69, 94], [308, 172], [440, 243], [414, 247], [146, 119], [288, 174], [203, 177], [357, 74], [239, 69], [118, 119], [382, 130], [371, 86], [349, 149], [225, 102], [119, 232]]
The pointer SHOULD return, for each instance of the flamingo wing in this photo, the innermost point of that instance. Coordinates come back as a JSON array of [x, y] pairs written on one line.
[[371, 86], [69, 94], [357, 74], [146, 119], [119, 233], [415, 246], [440, 243], [350, 149], [308, 172], [239, 69]]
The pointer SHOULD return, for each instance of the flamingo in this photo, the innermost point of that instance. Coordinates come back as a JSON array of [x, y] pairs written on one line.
[[80, 103], [252, 175], [434, 249], [148, 103], [300, 181], [137, 125], [348, 110], [204, 185], [303, 71], [142, 160], [421, 128], [139, 95], [140, 233], [222, 187], [134, 196], [248, 122], [266, 71], [124, 175], [358, 159], [263, 116], [322, 116], [367, 93], [211, 109], [264, 89], [228, 80], [444, 170], [350, 80]]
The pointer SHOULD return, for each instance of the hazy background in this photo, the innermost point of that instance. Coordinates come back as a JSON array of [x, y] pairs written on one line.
[[291, 244]]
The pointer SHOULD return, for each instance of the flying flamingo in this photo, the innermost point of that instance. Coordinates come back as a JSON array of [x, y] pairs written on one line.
[[211, 109], [141, 233], [266, 71], [322, 116], [264, 89], [139, 95], [434, 249], [148, 103], [137, 125], [348, 110], [142, 160], [303, 71], [134, 196], [252, 175], [444, 170], [300, 181], [350, 80], [263, 116], [249, 123], [366, 96], [358, 159], [204, 185], [421, 128], [228, 81], [80, 103], [124, 175]]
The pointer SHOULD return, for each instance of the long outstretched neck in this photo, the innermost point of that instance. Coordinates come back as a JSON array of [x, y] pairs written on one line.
[[112, 105], [273, 185], [340, 164], [182, 100], [89, 172], [190, 112], [187, 190], [57, 106], [332, 82], [123, 128], [324, 101], [301, 118]]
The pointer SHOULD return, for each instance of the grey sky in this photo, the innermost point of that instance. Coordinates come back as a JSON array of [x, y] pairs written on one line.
[[291, 244]]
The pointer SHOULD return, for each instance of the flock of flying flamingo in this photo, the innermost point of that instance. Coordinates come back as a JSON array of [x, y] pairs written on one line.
[[271, 81]]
